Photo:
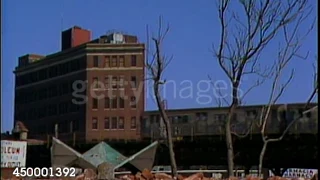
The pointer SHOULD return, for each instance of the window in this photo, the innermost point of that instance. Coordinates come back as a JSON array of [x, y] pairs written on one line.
[[95, 123], [51, 72], [121, 61], [50, 107], [43, 74], [69, 107], [107, 82], [133, 60], [106, 61], [177, 130], [185, 119], [274, 114], [220, 118], [106, 102], [66, 68], [133, 123], [202, 116], [71, 126], [65, 107], [75, 125], [95, 61], [114, 123], [133, 81], [70, 87], [95, 83], [106, 123], [133, 102], [122, 93], [157, 119], [55, 109], [121, 102], [176, 119], [198, 116], [62, 108], [42, 94], [251, 114], [94, 103], [121, 123], [114, 61], [290, 116], [74, 107], [114, 103], [61, 69], [153, 119], [55, 91], [63, 88], [75, 65], [121, 81], [114, 82]]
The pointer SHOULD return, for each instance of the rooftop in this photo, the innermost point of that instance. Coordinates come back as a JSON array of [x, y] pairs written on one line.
[[112, 39]]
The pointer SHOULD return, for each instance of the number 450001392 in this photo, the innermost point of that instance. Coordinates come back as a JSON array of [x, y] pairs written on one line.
[[44, 172]]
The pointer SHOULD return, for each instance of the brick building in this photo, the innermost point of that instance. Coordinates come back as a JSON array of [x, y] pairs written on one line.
[[91, 90]]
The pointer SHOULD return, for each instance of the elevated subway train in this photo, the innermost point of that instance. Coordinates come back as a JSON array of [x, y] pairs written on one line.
[[210, 121]]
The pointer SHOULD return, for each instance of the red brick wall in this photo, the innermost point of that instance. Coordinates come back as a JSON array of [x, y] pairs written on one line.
[[80, 36]]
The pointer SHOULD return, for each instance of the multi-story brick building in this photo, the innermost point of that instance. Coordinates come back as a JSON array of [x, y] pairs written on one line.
[[90, 90]]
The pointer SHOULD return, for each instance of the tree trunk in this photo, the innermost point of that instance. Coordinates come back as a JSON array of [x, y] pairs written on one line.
[[229, 142], [263, 151], [229, 148], [234, 105], [171, 151], [168, 129]]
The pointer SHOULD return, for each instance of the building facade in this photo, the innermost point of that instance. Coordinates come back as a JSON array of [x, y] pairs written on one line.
[[91, 90]]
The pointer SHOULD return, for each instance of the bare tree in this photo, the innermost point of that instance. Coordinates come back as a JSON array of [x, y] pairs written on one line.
[[276, 91], [247, 28], [156, 66]]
